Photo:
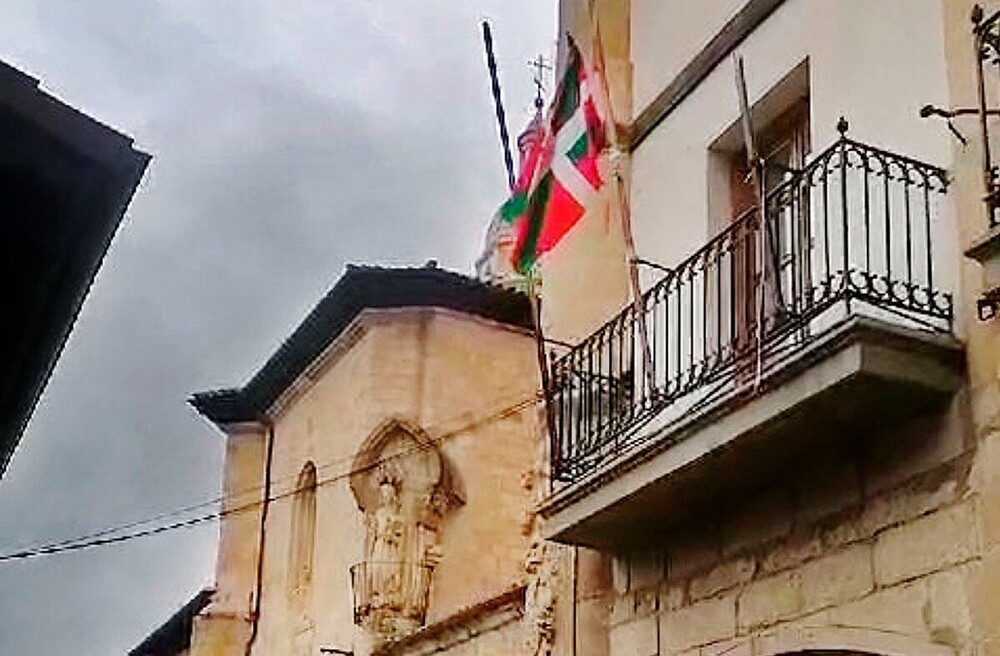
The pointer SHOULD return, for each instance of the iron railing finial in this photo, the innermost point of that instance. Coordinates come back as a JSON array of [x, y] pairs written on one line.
[[843, 126]]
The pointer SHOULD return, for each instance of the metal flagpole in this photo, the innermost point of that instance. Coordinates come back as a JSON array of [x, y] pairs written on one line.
[[533, 297], [756, 164], [491, 64]]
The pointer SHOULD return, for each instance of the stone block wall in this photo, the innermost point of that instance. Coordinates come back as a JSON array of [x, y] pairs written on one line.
[[875, 547]]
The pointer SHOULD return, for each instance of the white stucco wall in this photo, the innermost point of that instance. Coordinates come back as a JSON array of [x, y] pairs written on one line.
[[874, 61], [666, 35]]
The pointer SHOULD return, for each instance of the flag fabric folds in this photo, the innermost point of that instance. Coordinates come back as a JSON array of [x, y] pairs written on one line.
[[559, 177]]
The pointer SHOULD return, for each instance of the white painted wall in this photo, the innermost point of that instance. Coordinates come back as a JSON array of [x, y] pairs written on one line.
[[667, 34], [874, 61]]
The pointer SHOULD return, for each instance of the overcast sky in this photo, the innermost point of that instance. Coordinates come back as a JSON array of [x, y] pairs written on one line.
[[289, 137]]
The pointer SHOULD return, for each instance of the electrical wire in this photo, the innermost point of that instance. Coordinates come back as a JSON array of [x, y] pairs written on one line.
[[107, 536]]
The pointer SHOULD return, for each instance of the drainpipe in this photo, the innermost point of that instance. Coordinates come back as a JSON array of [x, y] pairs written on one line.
[[576, 593], [258, 586]]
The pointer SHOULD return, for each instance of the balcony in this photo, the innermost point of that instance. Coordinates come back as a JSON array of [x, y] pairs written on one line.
[[779, 332]]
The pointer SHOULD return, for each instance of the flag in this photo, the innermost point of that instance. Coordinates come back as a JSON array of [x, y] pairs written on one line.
[[559, 178]]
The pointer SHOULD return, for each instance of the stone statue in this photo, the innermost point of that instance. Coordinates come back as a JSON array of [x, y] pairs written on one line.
[[387, 533], [405, 487]]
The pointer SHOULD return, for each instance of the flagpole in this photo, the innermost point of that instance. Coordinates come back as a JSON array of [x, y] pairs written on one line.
[[766, 259], [638, 306], [625, 210], [536, 315], [491, 64]]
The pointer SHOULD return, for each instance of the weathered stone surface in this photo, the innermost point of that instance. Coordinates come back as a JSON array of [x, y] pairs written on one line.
[[722, 577], [701, 623], [594, 572], [635, 638], [672, 596], [843, 529], [622, 609], [769, 600], [735, 647], [645, 569], [592, 631], [907, 502], [831, 486], [986, 480], [923, 545], [895, 610], [798, 548], [984, 597], [947, 612], [836, 578], [986, 408], [690, 552], [913, 448], [764, 518], [619, 574], [646, 601]]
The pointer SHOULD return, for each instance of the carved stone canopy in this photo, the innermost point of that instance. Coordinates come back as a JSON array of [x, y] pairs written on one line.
[[403, 453]]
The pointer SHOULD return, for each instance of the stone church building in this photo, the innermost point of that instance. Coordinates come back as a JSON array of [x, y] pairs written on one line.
[[789, 445]]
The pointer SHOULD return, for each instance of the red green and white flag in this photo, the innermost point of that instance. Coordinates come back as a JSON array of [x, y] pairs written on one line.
[[559, 178]]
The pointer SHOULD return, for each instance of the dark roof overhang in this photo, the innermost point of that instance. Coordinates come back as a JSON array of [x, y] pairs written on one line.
[[174, 635], [360, 288], [65, 183]]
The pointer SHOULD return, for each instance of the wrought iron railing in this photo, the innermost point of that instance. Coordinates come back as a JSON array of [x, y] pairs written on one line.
[[986, 32], [390, 597], [851, 233]]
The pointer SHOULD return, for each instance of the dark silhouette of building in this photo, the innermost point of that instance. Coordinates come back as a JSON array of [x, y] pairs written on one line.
[[65, 183]]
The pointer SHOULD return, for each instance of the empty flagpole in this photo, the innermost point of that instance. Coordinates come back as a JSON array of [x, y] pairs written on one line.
[[491, 64]]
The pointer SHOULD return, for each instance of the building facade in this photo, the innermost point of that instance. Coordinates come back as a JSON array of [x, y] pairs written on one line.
[[380, 472], [789, 445]]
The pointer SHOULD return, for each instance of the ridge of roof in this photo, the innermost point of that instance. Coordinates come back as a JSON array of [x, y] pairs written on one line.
[[361, 287]]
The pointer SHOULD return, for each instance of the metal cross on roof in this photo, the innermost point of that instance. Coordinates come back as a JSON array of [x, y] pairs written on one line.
[[540, 65]]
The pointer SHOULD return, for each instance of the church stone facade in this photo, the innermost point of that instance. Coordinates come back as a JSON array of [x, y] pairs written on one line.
[[396, 433]]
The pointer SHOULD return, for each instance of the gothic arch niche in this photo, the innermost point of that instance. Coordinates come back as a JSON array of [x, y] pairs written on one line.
[[405, 487]]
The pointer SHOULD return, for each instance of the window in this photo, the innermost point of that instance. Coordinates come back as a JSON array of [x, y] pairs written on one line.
[[781, 123], [303, 531]]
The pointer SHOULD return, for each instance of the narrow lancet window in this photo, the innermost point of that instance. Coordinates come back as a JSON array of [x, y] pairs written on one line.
[[303, 533]]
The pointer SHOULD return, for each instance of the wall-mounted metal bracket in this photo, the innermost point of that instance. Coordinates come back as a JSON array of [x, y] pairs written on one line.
[[988, 304], [949, 114], [986, 251]]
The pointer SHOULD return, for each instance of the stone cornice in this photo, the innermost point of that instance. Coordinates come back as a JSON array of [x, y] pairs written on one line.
[[719, 47], [462, 626]]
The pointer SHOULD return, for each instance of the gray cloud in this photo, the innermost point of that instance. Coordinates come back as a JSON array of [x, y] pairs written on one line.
[[288, 139]]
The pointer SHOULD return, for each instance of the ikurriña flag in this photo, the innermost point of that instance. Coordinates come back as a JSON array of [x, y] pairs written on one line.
[[559, 178]]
